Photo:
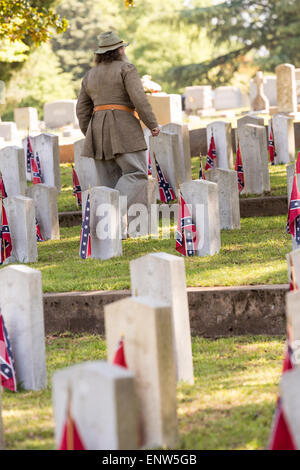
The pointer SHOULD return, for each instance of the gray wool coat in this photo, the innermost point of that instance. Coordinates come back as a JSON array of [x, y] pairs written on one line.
[[109, 133]]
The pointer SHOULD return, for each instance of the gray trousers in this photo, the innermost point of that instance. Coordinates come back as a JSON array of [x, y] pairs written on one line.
[[127, 173]]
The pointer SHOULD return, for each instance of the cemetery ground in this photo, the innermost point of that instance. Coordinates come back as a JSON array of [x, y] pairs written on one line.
[[255, 254], [230, 406], [232, 403]]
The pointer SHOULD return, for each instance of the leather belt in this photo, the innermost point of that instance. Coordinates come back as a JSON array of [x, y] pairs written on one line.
[[119, 107]]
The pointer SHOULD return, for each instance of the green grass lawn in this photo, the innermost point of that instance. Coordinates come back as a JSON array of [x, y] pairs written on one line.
[[255, 254], [230, 406], [66, 200]]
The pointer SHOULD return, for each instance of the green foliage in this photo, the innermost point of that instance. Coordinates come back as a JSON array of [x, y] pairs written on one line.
[[269, 28], [40, 80], [153, 46], [230, 406], [24, 20]]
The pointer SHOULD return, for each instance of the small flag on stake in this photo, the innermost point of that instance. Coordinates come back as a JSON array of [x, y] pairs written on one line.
[[201, 172], [272, 151], [186, 235], [7, 364], [39, 237], [76, 187], [3, 193], [29, 155], [36, 173], [165, 191], [85, 235], [5, 238], [119, 359], [293, 222], [149, 165], [71, 439], [212, 154], [298, 164], [239, 169]]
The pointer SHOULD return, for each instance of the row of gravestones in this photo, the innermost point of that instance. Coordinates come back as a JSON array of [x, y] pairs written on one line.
[[282, 90], [26, 204], [112, 406]]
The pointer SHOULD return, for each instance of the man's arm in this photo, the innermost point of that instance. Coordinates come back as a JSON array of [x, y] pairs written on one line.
[[84, 108], [137, 95]]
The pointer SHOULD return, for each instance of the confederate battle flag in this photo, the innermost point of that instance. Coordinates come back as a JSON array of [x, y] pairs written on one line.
[[166, 193], [186, 235], [5, 238], [149, 165], [201, 172], [29, 155], [39, 236], [2, 188], [85, 236], [298, 164], [293, 222], [76, 187], [212, 154], [7, 365], [36, 171], [239, 169], [71, 439], [281, 436], [119, 358], [272, 151]]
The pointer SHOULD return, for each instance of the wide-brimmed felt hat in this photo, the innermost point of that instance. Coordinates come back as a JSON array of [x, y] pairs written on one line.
[[109, 41]]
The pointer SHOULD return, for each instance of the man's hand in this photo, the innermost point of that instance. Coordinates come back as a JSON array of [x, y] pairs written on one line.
[[155, 131]]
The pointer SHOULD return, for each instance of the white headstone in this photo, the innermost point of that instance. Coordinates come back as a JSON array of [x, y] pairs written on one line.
[[60, 113], [290, 172], [254, 150], [87, 169], [222, 136], [293, 265], [139, 206], [290, 400], [167, 108], [182, 131], [198, 97], [12, 167], [105, 222], [229, 203], [148, 341], [284, 138], [293, 312], [165, 149], [21, 302], [269, 89], [26, 118], [297, 74], [228, 97], [162, 276], [202, 196], [286, 89], [9, 132], [45, 202], [102, 403], [260, 102], [46, 145], [21, 221]]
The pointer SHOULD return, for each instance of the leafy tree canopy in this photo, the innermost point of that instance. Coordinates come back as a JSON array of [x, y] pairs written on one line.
[[267, 29], [23, 20]]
